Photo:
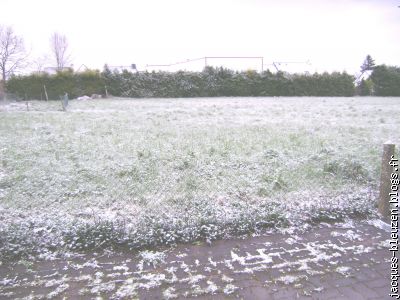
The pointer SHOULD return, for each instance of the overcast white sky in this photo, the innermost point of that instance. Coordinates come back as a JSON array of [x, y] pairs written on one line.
[[332, 35]]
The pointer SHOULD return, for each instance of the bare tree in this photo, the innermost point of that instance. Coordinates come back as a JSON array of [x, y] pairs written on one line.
[[40, 63], [12, 52], [59, 48]]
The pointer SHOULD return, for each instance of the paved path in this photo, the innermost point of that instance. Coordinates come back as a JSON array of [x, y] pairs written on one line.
[[340, 261]]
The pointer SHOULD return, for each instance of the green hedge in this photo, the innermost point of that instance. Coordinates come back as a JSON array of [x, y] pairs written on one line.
[[75, 84], [208, 83]]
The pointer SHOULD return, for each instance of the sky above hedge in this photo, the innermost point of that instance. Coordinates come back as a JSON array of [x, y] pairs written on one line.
[[331, 35]]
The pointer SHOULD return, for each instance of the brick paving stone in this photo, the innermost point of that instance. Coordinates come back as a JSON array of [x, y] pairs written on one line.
[[256, 293], [341, 282], [207, 297], [286, 294], [366, 281], [383, 267], [377, 283], [246, 281], [317, 281], [365, 291], [367, 275], [383, 291], [262, 276], [350, 293], [384, 273], [329, 293]]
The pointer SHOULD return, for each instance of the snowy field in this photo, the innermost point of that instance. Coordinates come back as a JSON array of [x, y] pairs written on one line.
[[139, 173]]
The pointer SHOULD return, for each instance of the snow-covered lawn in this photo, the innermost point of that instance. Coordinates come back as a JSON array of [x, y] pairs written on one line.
[[141, 172]]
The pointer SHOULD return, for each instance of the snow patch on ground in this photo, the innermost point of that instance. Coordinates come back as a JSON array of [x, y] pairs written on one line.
[[170, 293], [349, 234], [344, 270], [380, 224], [151, 258], [289, 279]]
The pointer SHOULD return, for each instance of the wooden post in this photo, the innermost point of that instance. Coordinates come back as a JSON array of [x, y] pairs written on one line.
[[385, 185], [64, 102], [45, 93]]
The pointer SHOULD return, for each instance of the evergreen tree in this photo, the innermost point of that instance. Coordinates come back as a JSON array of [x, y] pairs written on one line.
[[368, 64], [365, 88], [386, 80]]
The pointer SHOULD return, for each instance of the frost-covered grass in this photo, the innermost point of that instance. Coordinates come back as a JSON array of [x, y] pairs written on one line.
[[136, 173]]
